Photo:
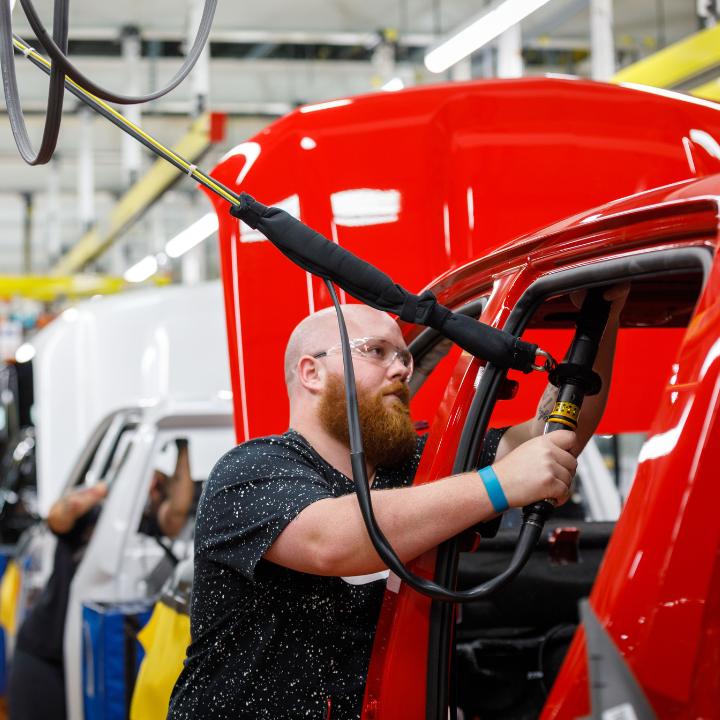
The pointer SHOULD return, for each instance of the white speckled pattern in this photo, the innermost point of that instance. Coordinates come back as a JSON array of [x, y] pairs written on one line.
[[269, 642]]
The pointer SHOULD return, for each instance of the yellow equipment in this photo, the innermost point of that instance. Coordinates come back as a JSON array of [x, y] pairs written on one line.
[[9, 594], [165, 639]]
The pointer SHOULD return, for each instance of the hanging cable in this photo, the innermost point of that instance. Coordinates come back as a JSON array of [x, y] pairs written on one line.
[[526, 541], [56, 91], [56, 47], [58, 56], [515, 353]]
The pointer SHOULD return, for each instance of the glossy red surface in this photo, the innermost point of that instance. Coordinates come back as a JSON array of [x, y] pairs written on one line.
[[654, 593], [461, 170], [473, 167]]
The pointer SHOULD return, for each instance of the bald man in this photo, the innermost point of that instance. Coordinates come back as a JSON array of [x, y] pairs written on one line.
[[287, 586]]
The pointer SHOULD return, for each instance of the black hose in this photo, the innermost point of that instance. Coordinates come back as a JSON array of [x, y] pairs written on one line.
[[56, 91], [527, 539], [56, 47], [60, 59]]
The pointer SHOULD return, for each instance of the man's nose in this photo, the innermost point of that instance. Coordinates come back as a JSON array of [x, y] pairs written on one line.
[[398, 370]]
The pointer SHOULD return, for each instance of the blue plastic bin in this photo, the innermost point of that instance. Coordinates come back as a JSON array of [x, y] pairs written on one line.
[[111, 657]]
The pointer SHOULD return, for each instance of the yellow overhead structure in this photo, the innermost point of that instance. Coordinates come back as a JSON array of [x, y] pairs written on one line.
[[708, 91], [49, 288], [691, 65], [205, 130]]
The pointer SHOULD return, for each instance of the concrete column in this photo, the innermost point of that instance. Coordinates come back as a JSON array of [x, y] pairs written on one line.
[[27, 233], [131, 69], [193, 265], [86, 170], [509, 53], [602, 44], [462, 70], [53, 215], [200, 75], [384, 57], [708, 11]]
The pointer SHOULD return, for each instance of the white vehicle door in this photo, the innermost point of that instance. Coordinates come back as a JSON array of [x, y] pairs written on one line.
[[124, 562]]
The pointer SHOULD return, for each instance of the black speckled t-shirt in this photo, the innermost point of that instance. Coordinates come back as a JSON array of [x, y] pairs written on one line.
[[269, 642]]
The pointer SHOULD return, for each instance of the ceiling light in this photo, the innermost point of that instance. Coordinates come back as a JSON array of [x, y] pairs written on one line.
[[392, 85], [142, 270], [193, 235], [481, 31]]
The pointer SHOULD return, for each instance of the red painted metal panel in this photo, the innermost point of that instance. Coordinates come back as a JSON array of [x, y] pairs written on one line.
[[460, 169], [658, 611]]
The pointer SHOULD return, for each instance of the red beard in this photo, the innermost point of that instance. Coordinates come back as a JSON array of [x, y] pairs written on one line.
[[388, 433]]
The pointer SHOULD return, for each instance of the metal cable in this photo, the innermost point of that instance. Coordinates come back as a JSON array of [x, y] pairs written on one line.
[[528, 534]]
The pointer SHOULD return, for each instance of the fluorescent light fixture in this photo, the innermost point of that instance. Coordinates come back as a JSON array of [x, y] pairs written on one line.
[[25, 353], [193, 235], [325, 105], [393, 85], [480, 32], [142, 270]]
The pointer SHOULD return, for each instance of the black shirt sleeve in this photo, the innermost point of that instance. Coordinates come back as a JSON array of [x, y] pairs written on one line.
[[490, 446], [252, 494]]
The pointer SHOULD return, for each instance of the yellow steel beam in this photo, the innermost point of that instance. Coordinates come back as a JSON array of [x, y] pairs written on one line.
[[50, 287], [677, 63], [136, 200], [708, 91]]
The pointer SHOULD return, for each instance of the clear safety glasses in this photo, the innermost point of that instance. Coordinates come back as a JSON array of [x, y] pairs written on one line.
[[376, 350]]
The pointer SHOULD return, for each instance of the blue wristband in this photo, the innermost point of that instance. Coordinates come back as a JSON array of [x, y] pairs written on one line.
[[494, 489]]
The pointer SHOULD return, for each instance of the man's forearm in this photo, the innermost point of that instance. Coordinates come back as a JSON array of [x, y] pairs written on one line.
[[413, 520], [174, 511]]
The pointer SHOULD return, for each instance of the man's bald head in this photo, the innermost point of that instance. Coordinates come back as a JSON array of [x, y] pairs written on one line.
[[319, 331]]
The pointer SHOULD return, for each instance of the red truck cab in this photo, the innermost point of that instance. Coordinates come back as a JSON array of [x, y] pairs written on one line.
[[454, 182]]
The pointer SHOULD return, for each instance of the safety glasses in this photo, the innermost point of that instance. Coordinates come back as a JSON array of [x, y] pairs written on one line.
[[376, 350]]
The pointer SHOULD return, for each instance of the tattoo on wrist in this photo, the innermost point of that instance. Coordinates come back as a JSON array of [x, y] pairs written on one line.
[[547, 403]]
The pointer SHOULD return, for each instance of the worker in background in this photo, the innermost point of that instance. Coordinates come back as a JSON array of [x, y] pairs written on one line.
[[288, 586], [36, 689]]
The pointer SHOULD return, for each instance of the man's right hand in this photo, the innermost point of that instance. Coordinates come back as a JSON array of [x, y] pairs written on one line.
[[540, 468]]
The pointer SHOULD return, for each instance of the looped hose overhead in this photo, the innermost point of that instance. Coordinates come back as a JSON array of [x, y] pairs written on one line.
[[56, 91], [56, 48]]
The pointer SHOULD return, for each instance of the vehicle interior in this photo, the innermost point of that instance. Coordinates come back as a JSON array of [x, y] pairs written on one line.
[[509, 647]]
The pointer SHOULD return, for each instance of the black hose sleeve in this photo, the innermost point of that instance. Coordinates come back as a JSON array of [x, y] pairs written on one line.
[[316, 254]]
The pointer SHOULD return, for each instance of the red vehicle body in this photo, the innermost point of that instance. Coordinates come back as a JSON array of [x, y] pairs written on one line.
[[462, 172]]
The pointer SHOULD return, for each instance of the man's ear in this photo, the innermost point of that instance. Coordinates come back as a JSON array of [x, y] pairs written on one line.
[[310, 373]]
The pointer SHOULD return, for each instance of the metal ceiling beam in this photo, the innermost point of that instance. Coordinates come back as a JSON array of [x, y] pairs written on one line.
[[208, 128], [275, 37]]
